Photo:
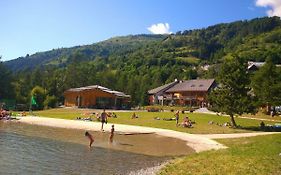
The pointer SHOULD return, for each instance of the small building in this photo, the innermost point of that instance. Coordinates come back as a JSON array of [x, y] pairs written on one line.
[[185, 93], [96, 97], [254, 66]]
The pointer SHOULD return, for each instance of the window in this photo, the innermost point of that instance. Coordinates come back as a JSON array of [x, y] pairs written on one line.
[[104, 102]]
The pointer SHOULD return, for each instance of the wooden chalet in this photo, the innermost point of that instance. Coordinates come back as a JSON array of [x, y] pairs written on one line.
[[96, 97], [185, 93]]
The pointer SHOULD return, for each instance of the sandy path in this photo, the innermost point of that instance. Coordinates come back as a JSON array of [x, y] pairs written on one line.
[[261, 119], [236, 135], [197, 142]]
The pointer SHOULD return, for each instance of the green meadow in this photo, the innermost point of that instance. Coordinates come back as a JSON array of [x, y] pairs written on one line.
[[201, 125], [255, 155]]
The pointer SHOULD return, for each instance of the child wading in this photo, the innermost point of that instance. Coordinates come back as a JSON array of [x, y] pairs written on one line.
[[103, 119], [90, 137], [111, 134]]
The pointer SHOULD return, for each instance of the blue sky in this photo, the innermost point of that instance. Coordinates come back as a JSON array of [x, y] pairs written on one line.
[[29, 26]]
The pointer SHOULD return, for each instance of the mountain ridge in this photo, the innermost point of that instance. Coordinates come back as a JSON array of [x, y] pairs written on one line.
[[136, 63], [198, 45]]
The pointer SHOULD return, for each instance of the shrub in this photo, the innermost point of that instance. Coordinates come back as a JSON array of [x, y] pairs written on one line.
[[50, 102], [39, 96]]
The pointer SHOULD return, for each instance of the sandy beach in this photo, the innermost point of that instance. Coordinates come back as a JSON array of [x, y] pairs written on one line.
[[198, 142]]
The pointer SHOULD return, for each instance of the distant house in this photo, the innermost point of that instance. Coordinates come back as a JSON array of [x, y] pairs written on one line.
[[190, 92], [205, 67], [254, 66], [96, 97]]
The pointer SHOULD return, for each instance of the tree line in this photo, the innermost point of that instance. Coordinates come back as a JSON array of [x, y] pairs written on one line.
[[135, 64]]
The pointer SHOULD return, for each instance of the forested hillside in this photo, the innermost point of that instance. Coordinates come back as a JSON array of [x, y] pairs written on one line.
[[135, 64], [61, 57]]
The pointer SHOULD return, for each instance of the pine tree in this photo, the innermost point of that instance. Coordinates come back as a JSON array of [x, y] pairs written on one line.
[[266, 85], [232, 95]]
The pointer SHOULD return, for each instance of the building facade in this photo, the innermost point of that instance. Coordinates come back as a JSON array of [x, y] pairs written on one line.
[[184, 93], [96, 97]]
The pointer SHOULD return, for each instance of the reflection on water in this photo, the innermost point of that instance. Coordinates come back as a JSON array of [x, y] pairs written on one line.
[[28, 149]]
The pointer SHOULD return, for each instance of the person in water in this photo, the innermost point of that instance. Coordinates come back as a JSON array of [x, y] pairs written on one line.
[[103, 119], [90, 137], [111, 134]]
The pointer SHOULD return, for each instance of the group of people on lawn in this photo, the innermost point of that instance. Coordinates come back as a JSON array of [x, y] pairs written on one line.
[[186, 123]]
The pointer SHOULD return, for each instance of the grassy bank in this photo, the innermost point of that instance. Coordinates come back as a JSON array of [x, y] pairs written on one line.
[[147, 119], [256, 155], [260, 115]]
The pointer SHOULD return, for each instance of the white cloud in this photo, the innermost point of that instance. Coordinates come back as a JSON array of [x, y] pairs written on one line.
[[160, 28], [274, 5]]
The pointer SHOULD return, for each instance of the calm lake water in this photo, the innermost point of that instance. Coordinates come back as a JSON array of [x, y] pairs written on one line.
[[29, 149]]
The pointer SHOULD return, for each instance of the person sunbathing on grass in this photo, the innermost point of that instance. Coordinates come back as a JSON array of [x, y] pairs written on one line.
[[186, 122], [134, 116]]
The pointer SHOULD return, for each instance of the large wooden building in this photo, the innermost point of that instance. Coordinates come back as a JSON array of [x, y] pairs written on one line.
[[96, 97], [185, 93]]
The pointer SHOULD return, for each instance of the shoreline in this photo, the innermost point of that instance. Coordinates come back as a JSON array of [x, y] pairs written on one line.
[[150, 170], [196, 142]]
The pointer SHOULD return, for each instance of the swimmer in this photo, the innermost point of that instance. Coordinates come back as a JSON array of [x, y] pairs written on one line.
[[90, 137]]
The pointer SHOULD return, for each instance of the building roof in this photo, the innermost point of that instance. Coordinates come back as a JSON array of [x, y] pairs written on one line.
[[257, 65], [162, 88], [104, 89], [252, 64], [192, 85]]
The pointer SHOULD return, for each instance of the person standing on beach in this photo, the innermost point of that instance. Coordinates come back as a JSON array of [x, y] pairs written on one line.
[[177, 115], [90, 137], [103, 119], [111, 134]]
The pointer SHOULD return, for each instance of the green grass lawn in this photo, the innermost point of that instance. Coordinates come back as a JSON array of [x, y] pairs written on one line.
[[255, 155], [260, 115], [147, 119]]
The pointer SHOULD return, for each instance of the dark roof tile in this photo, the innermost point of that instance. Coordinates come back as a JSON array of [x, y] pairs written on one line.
[[192, 85], [162, 88]]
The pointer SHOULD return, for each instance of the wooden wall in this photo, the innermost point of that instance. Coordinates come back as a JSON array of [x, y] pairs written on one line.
[[88, 97]]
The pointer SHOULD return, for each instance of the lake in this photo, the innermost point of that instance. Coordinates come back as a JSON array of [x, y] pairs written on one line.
[[31, 149]]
